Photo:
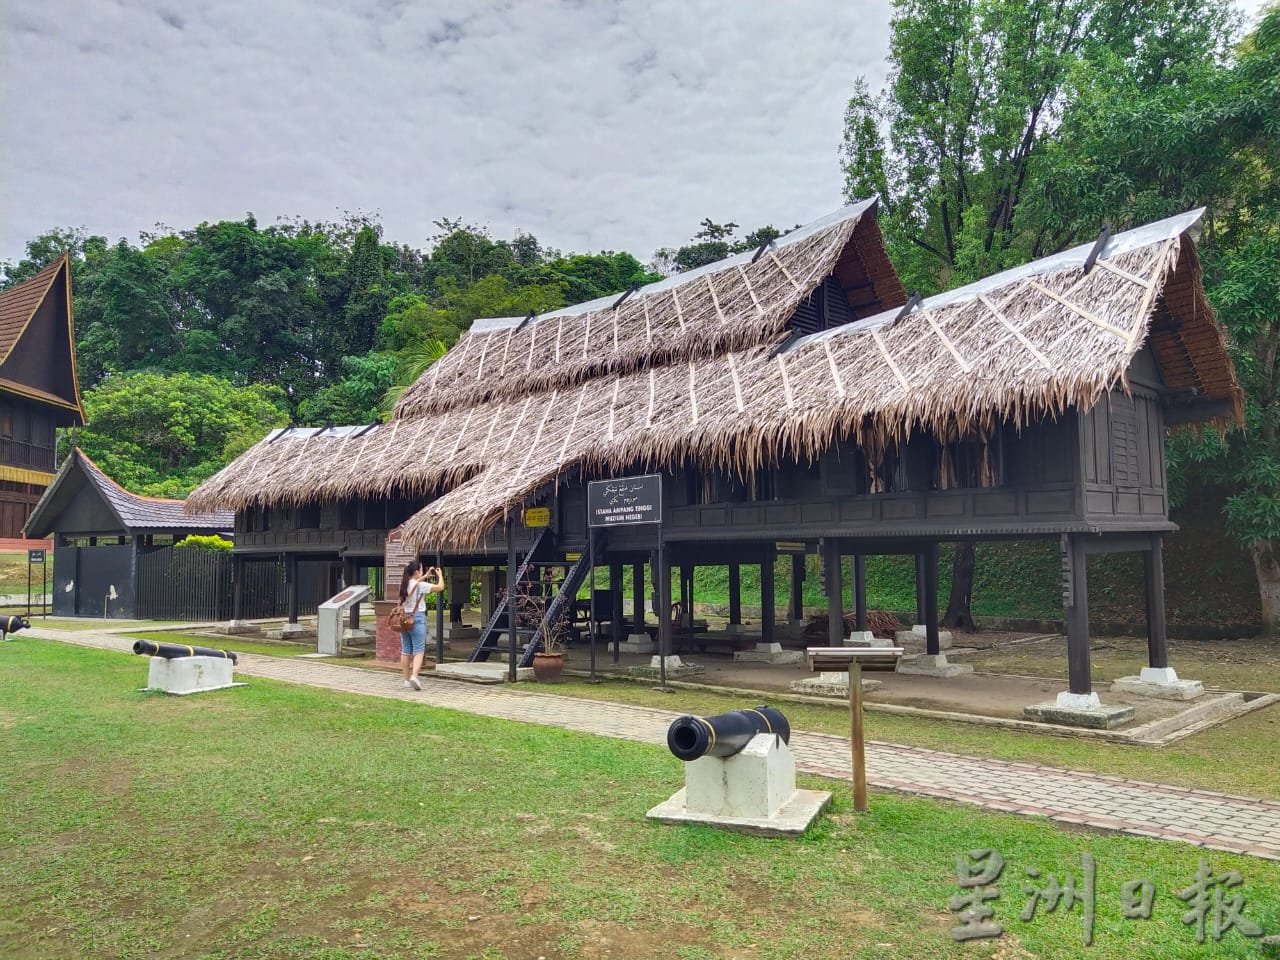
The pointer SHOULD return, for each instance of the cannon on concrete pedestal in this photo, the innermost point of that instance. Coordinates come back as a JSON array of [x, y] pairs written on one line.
[[181, 668]]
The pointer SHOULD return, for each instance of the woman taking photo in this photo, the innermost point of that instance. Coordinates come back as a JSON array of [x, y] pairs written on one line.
[[414, 587]]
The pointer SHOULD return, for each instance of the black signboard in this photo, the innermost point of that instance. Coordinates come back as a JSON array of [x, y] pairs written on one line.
[[35, 556], [627, 500]]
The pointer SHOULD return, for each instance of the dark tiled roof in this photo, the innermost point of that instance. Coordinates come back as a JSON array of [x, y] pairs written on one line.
[[150, 513], [19, 302]]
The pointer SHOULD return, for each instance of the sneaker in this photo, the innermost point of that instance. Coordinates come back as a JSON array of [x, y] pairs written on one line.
[[409, 686], [415, 683]]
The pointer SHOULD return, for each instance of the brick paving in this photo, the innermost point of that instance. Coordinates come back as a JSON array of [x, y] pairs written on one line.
[[1216, 821]]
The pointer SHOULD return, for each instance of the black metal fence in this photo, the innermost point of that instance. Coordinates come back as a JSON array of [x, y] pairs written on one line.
[[192, 584]]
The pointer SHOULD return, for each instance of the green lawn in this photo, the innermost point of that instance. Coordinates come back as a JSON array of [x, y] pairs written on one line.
[[276, 821]]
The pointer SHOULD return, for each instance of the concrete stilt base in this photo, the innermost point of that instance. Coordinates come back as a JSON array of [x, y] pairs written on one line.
[[1078, 710], [292, 631], [865, 638], [933, 665], [734, 628], [357, 635], [768, 653], [833, 684], [1161, 683], [186, 675], [237, 628], [461, 632], [918, 632], [675, 668], [482, 672], [638, 643], [753, 791]]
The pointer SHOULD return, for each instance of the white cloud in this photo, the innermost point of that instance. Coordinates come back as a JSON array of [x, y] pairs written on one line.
[[592, 125]]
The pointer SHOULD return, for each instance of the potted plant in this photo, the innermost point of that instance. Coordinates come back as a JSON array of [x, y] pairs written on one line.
[[548, 663]]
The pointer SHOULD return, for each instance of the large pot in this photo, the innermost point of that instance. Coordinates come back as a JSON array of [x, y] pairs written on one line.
[[547, 667]]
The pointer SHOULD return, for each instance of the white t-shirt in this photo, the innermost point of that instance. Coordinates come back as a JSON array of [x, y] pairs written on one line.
[[421, 589]]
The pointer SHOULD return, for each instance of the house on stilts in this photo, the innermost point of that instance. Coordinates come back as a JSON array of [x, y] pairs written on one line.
[[793, 399]]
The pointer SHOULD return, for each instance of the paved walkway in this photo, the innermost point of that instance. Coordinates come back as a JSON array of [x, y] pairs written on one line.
[[1216, 821]]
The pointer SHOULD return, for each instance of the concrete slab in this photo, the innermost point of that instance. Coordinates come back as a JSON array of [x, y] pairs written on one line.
[[918, 633], [638, 644], [792, 819], [831, 685], [478, 672], [675, 668], [1099, 717], [1159, 682], [292, 631], [932, 665], [236, 628], [768, 653]]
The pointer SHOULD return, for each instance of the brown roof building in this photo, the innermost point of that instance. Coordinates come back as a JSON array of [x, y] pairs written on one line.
[[39, 391]]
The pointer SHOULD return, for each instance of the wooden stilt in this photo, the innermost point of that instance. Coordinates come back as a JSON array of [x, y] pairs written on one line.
[[860, 591], [768, 601], [930, 556], [735, 593], [1075, 601], [795, 610], [1153, 567], [831, 581]]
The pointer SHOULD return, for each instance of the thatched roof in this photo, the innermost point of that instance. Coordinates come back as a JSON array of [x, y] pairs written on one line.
[[1020, 345], [734, 304]]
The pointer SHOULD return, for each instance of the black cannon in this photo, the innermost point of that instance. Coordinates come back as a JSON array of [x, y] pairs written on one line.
[[172, 651], [13, 624], [725, 734]]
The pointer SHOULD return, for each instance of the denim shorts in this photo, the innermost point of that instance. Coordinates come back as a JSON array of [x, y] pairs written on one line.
[[415, 641]]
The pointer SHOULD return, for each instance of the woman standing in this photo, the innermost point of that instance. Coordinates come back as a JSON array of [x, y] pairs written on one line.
[[414, 587]]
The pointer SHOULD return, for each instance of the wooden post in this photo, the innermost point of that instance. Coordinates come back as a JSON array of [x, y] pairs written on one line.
[[291, 585], [920, 577], [615, 607], [439, 597], [1153, 568], [237, 586], [768, 596], [735, 593], [831, 582], [512, 642], [637, 597], [931, 599], [860, 591], [857, 744], [686, 597], [796, 610], [1075, 601], [663, 569], [349, 580]]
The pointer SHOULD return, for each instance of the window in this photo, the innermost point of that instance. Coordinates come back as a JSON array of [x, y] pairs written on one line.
[[349, 515], [826, 307], [308, 516], [971, 463]]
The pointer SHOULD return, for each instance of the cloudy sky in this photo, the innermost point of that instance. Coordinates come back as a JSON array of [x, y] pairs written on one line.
[[591, 124]]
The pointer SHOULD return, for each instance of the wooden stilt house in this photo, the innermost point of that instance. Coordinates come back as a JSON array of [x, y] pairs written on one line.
[[792, 399]]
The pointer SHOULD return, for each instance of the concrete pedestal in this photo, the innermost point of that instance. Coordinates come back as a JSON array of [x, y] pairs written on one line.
[[638, 643], [933, 665], [292, 631], [768, 653], [237, 628], [918, 633], [482, 672], [676, 668], [461, 632], [1161, 683], [357, 635], [832, 684], [184, 675], [865, 638], [753, 791], [1078, 710]]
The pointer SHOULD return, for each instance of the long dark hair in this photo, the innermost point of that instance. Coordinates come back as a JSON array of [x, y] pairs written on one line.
[[410, 568]]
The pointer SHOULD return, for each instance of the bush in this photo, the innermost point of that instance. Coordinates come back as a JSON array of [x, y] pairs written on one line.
[[212, 543]]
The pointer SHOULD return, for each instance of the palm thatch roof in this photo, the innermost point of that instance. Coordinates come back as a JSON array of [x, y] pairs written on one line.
[[1024, 344]]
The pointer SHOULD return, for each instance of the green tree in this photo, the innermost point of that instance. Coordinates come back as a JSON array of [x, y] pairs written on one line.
[[358, 397], [163, 434], [1212, 139], [979, 94]]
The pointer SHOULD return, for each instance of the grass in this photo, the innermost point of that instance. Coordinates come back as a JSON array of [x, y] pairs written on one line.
[[277, 821]]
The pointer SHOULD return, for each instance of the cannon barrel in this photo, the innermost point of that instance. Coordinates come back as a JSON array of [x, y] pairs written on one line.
[[725, 734], [172, 651], [13, 624]]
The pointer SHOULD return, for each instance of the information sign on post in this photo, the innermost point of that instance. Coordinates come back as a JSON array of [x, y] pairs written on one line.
[[36, 558], [625, 501]]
